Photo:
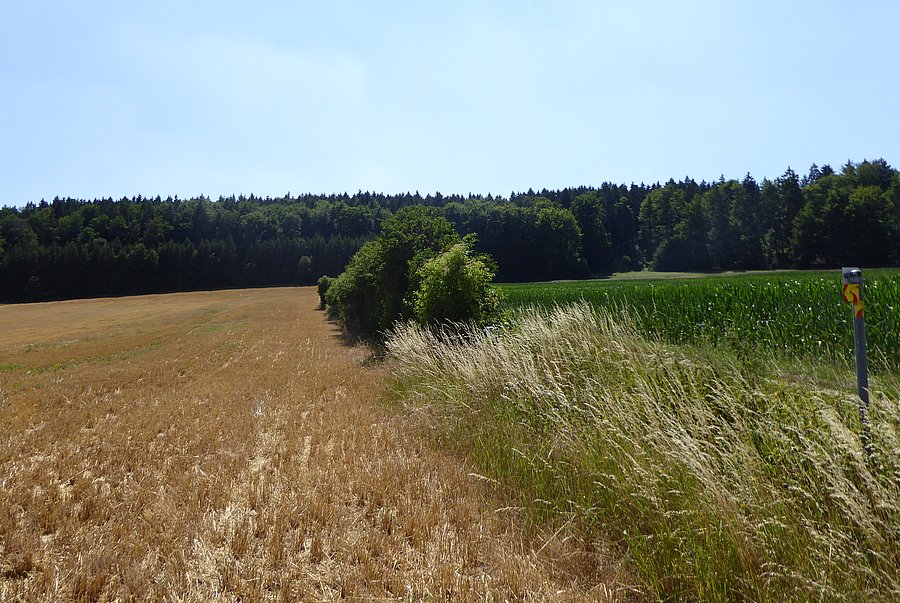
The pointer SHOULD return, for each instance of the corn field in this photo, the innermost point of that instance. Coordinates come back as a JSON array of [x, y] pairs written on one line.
[[798, 314]]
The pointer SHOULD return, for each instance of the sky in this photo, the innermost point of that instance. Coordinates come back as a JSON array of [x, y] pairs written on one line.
[[188, 98]]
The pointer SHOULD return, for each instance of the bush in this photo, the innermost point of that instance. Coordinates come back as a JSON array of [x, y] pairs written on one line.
[[455, 286], [381, 283], [355, 297], [410, 238], [324, 283]]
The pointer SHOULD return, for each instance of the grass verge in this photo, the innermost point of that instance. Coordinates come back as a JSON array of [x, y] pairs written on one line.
[[715, 479]]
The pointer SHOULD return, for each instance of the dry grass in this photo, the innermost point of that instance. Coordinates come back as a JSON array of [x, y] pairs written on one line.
[[228, 445], [719, 481]]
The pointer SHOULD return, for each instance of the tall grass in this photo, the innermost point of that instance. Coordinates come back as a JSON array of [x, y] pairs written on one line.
[[799, 315], [717, 482]]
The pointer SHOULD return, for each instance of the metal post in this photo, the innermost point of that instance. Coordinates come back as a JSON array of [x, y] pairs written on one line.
[[852, 280]]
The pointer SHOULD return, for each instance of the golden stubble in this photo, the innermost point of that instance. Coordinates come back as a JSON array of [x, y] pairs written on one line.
[[229, 445]]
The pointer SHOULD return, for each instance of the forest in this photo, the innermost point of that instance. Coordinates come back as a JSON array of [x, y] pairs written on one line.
[[68, 248]]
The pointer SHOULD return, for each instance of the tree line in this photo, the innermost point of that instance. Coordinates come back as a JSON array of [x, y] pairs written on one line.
[[77, 248]]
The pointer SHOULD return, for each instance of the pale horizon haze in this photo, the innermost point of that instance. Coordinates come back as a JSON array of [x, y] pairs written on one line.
[[113, 99]]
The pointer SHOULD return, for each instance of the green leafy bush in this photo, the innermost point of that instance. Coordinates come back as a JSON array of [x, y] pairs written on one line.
[[356, 297], [381, 283], [324, 283], [456, 286]]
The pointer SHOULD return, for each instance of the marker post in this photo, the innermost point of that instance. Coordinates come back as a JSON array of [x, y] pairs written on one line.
[[852, 280]]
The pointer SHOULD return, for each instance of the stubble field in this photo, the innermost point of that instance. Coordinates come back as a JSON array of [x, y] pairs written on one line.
[[230, 445]]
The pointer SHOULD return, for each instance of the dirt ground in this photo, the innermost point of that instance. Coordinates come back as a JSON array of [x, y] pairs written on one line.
[[230, 445]]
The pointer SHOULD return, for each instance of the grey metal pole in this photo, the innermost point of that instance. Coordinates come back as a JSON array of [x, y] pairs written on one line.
[[862, 369], [852, 279]]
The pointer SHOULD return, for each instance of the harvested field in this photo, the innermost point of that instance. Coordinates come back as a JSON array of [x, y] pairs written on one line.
[[229, 445]]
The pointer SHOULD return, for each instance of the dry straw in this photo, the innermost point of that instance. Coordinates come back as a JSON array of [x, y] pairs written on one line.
[[718, 481]]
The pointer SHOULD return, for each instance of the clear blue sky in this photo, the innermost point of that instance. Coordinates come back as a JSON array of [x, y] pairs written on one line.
[[189, 97]]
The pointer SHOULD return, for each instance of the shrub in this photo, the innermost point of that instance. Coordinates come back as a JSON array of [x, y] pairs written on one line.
[[410, 238], [455, 286], [380, 284], [324, 283], [355, 297]]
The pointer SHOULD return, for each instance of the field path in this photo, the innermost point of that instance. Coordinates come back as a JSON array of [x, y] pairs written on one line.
[[229, 445]]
